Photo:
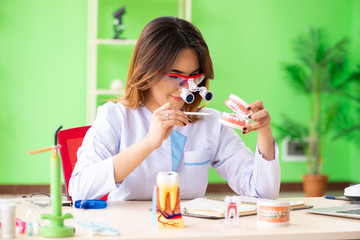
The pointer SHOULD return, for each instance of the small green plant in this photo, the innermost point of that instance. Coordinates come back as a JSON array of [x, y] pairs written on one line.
[[320, 75]]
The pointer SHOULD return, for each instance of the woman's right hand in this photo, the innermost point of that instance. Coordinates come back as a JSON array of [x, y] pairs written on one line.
[[164, 119]]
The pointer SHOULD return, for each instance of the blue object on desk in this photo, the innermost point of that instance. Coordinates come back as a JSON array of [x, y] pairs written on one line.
[[341, 198], [333, 197], [90, 204]]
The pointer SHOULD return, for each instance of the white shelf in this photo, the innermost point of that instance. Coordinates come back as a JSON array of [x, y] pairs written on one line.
[[184, 11], [113, 42]]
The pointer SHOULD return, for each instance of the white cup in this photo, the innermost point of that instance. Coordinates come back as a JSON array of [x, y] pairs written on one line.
[[7, 220]]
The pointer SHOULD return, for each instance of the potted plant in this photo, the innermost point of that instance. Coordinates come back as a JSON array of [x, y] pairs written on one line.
[[320, 76]]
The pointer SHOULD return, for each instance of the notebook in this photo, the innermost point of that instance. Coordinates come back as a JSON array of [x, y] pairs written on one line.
[[214, 208], [349, 211]]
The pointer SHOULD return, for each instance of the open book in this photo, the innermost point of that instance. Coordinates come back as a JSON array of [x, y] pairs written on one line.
[[214, 208]]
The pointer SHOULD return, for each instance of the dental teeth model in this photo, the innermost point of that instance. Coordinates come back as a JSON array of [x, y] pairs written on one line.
[[240, 118], [166, 201]]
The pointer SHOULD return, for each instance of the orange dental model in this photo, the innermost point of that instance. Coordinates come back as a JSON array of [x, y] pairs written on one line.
[[166, 201], [240, 118]]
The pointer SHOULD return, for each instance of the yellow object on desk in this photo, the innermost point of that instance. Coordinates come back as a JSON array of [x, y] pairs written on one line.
[[166, 201]]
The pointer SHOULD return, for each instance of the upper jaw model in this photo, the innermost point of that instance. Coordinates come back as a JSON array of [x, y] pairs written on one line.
[[240, 118]]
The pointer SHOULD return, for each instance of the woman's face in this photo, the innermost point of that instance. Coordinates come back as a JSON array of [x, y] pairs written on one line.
[[187, 63]]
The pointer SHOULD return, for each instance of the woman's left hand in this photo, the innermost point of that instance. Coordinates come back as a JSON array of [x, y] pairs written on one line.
[[260, 116], [261, 124]]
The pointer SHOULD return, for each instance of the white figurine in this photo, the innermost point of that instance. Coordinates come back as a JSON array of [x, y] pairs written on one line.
[[116, 85]]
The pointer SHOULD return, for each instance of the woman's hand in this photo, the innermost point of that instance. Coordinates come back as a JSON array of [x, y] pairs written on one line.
[[162, 123], [164, 119], [261, 118]]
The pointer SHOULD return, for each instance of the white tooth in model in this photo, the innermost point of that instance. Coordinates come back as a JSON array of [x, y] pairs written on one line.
[[168, 183]]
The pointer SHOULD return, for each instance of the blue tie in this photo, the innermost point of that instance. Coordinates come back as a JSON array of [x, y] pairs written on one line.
[[177, 147]]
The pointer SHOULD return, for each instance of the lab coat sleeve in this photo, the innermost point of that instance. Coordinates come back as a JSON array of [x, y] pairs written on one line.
[[93, 175], [246, 173]]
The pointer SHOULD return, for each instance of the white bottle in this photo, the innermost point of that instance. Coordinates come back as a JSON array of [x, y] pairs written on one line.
[[8, 220]]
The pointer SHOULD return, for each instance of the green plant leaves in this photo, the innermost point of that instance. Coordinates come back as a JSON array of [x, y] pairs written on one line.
[[321, 75]]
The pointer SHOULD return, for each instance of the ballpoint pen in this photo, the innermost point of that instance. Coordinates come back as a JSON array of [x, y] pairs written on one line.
[[336, 197]]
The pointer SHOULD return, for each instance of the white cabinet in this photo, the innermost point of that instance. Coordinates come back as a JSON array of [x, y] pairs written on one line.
[[184, 11]]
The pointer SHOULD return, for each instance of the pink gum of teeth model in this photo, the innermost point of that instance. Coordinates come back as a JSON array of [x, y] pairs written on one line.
[[239, 119]]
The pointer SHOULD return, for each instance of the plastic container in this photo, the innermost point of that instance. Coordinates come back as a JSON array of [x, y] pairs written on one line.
[[273, 213], [7, 220]]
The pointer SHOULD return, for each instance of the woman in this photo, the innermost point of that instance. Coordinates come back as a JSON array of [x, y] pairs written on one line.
[[148, 131]]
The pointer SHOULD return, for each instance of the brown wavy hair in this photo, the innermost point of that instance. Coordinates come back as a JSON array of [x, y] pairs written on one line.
[[156, 51]]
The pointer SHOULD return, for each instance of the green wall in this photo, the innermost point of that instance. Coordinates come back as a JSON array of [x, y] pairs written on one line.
[[355, 150], [42, 82], [43, 56]]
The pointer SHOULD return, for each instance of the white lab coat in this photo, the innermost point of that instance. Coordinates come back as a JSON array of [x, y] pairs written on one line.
[[207, 144]]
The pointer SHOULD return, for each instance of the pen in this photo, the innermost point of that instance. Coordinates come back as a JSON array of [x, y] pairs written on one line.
[[336, 198], [197, 113]]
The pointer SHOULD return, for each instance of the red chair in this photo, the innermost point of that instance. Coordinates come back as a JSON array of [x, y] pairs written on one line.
[[70, 141]]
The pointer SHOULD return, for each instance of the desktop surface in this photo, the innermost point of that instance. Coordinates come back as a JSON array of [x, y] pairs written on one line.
[[133, 220]]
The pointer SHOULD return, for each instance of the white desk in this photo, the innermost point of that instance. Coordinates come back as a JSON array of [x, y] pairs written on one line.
[[134, 221]]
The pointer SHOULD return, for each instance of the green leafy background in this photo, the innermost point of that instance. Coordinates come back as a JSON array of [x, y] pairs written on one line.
[[43, 55]]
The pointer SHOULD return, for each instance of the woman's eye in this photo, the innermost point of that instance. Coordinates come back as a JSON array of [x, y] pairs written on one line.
[[174, 77]]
